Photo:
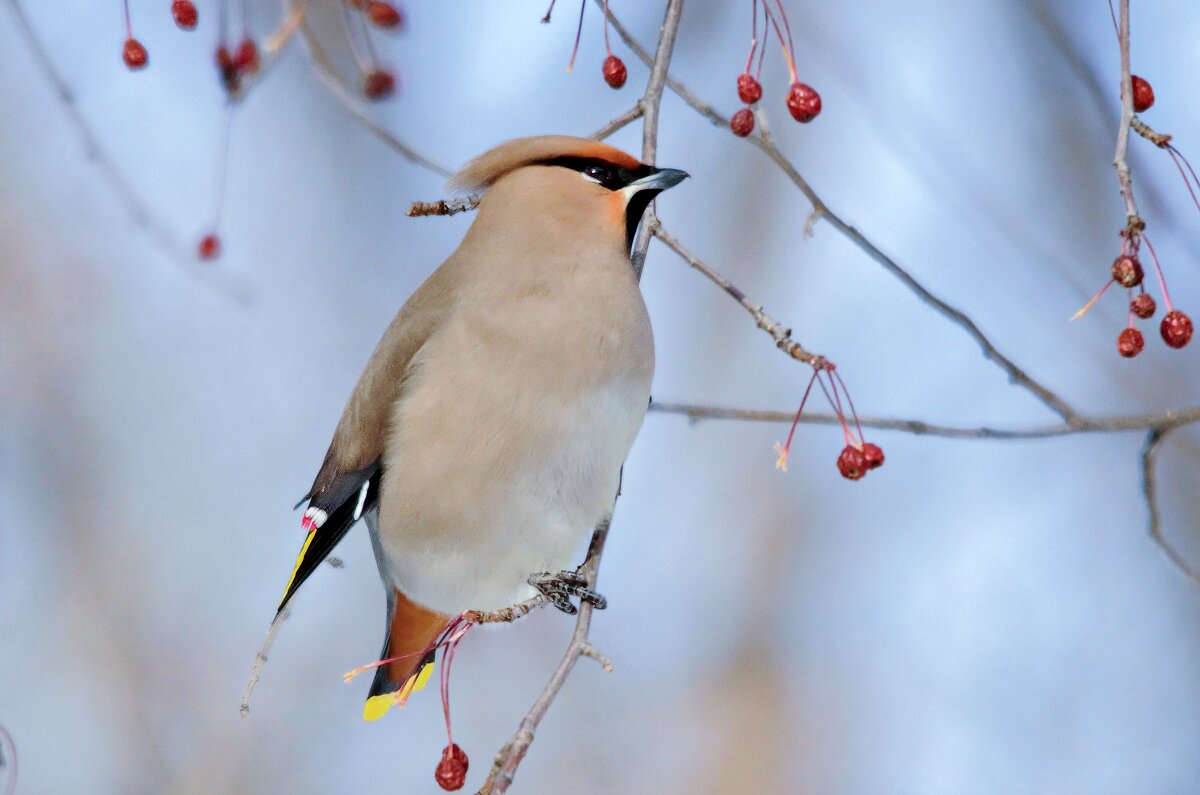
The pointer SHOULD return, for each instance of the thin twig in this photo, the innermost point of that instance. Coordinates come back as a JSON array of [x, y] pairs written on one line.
[[781, 335], [260, 659], [1150, 490], [508, 759], [443, 207], [328, 73], [766, 144], [626, 118], [650, 102], [1163, 422], [1134, 222]]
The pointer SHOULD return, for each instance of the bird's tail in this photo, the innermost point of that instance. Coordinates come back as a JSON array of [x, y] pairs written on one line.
[[407, 656]]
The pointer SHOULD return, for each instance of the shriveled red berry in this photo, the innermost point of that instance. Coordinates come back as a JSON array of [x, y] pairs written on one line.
[[742, 123], [210, 247], [451, 771], [1127, 271], [385, 15], [1176, 328], [852, 463], [246, 59], [873, 454], [1143, 94], [185, 14], [803, 102], [749, 90], [1130, 342], [614, 71], [134, 54], [379, 84], [1142, 305]]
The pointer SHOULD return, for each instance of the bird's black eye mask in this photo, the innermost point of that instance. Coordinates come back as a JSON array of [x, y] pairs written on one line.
[[610, 176]]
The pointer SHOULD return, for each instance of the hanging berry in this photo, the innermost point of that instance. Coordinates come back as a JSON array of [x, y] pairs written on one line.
[[1142, 305], [379, 84], [134, 54], [185, 14], [1130, 342], [383, 15], [209, 247], [451, 771], [614, 71], [749, 90], [246, 60], [1127, 271], [1176, 328], [852, 463], [803, 102], [873, 453], [742, 123]]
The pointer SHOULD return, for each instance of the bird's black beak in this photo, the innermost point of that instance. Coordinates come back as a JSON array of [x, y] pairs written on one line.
[[660, 180]]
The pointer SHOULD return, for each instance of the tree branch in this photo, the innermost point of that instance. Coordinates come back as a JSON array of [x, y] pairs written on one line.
[[1134, 222], [766, 144], [1150, 490]]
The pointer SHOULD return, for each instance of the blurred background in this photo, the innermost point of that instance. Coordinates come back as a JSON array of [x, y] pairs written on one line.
[[976, 617]]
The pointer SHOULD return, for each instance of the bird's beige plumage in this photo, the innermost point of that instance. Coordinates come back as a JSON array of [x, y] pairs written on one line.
[[485, 438]]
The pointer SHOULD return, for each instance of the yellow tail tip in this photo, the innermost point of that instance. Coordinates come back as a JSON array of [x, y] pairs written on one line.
[[377, 706]]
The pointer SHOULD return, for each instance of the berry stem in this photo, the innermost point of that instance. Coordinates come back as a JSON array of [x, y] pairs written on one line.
[[1162, 282], [1092, 302], [128, 24], [788, 27], [787, 446], [578, 34], [606, 47], [850, 402], [1176, 156], [753, 34], [791, 64]]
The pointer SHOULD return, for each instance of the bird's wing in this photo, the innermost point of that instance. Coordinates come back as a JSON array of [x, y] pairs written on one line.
[[347, 485]]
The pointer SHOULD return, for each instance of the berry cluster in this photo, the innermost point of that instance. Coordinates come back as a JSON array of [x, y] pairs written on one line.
[[803, 101], [378, 83], [858, 456]]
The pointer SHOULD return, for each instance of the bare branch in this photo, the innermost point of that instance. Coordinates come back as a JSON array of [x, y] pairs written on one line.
[[328, 73], [1150, 491], [1123, 424], [766, 144], [260, 659], [626, 118], [781, 335], [650, 102], [443, 207], [1134, 221]]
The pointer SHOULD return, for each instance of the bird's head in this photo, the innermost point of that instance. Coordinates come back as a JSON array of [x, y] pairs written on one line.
[[562, 175]]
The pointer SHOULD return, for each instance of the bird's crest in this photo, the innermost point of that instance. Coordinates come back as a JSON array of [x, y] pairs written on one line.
[[482, 172]]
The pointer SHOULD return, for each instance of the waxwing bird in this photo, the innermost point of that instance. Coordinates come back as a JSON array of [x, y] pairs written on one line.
[[484, 441]]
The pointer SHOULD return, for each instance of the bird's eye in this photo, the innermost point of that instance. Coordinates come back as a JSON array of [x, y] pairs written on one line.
[[598, 173]]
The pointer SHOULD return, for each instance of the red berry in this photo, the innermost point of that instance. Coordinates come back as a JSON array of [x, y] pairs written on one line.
[[614, 71], [451, 772], [246, 59], [1176, 328], [1130, 342], [135, 54], [873, 453], [1143, 94], [749, 91], [385, 15], [1142, 305], [742, 123], [852, 463], [230, 76], [804, 102], [210, 247], [379, 84], [185, 14], [1127, 271]]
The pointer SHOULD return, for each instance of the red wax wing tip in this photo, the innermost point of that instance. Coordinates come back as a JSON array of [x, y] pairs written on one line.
[[307, 523], [185, 14], [384, 15], [873, 454], [134, 54], [1130, 342], [1176, 328], [379, 84], [209, 247], [614, 71], [1143, 306], [742, 123], [451, 771], [1127, 271], [803, 102], [749, 90], [1143, 94], [852, 463]]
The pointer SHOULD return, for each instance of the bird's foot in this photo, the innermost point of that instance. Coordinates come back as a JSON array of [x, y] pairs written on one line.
[[560, 587]]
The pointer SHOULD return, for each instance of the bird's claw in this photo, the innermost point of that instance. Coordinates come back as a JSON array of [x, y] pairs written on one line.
[[560, 587]]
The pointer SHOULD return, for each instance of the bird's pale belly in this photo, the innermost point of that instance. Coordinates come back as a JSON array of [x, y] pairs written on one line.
[[486, 483]]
